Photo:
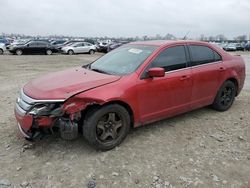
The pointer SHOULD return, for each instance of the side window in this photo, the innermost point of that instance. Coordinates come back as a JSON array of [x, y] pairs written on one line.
[[78, 45], [217, 57], [86, 44], [203, 55], [172, 58], [32, 44], [41, 44]]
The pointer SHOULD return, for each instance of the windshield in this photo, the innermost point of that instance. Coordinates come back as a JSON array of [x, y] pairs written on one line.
[[123, 60]]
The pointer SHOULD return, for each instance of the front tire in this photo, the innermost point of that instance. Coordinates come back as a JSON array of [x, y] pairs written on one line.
[[1, 51], [106, 127], [225, 96], [70, 52], [19, 52]]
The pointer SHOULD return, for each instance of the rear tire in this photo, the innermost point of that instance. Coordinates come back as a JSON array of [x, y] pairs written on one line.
[[225, 96], [1, 51], [70, 52], [49, 52], [106, 127], [91, 52], [19, 52]]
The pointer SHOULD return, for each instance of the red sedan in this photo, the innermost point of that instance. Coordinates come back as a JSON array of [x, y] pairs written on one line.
[[136, 84]]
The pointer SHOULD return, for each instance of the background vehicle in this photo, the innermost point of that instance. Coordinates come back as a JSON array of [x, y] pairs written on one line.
[[247, 47], [2, 48], [33, 47], [17, 42], [69, 42], [102, 47], [136, 84], [5, 41], [113, 46], [78, 48], [230, 47], [58, 42], [240, 47]]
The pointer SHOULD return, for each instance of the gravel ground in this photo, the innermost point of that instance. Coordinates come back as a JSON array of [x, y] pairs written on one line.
[[203, 148]]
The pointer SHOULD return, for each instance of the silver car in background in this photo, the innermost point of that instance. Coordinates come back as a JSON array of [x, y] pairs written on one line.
[[2, 48], [78, 48]]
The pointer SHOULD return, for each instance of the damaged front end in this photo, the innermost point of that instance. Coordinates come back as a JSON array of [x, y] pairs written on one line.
[[39, 117]]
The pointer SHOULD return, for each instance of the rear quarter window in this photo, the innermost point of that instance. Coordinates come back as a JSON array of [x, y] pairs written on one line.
[[203, 55]]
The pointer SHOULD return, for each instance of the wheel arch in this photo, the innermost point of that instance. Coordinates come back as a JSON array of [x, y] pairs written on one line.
[[70, 50], [18, 49], [119, 102], [126, 106], [235, 81]]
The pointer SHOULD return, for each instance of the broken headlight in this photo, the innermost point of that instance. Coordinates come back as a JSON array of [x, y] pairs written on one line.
[[46, 109]]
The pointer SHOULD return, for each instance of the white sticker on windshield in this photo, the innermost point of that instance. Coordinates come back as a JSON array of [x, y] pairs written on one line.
[[135, 51]]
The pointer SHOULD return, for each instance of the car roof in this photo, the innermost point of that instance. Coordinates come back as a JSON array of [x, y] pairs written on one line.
[[167, 42], [37, 40], [77, 42]]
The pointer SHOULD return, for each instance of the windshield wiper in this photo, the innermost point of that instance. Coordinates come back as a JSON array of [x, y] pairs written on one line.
[[94, 69], [98, 70]]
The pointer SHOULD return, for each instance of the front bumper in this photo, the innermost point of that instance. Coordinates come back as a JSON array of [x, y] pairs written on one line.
[[26, 135], [63, 51], [29, 124], [24, 122]]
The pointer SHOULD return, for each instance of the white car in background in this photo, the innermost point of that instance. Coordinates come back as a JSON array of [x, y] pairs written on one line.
[[79, 48], [2, 48], [17, 42]]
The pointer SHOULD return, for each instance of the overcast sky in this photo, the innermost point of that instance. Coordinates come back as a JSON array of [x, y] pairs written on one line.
[[127, 18]]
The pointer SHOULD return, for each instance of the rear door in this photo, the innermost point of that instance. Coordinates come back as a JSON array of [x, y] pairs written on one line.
[[206, 66], [86, 47], [78, 47], [30, 48], [169, 95], [41, 47]]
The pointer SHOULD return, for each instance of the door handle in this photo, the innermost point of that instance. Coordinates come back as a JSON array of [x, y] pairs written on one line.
[[222, 69], [184, 77]]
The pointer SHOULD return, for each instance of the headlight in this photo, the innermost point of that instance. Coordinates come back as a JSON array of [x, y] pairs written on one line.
[[46, 109], [41, 109]]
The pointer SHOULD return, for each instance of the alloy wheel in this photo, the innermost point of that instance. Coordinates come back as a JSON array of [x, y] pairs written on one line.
[[19, 52], [109, 127], [70, 52], [226, 96], [48, 52]]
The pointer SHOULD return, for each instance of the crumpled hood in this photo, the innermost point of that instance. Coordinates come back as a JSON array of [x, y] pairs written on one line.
[[64, 84]]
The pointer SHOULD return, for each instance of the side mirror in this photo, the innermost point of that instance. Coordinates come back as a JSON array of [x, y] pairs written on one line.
[[156, 72]]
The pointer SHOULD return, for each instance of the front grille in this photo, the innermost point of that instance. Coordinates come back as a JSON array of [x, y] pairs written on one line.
[[24, 103]]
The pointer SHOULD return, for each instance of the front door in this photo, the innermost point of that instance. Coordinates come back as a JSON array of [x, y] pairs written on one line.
[[31, 48], [78, 48], [169, 95]]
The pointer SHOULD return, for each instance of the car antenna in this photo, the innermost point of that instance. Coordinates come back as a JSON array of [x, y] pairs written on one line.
[[185, 37]]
